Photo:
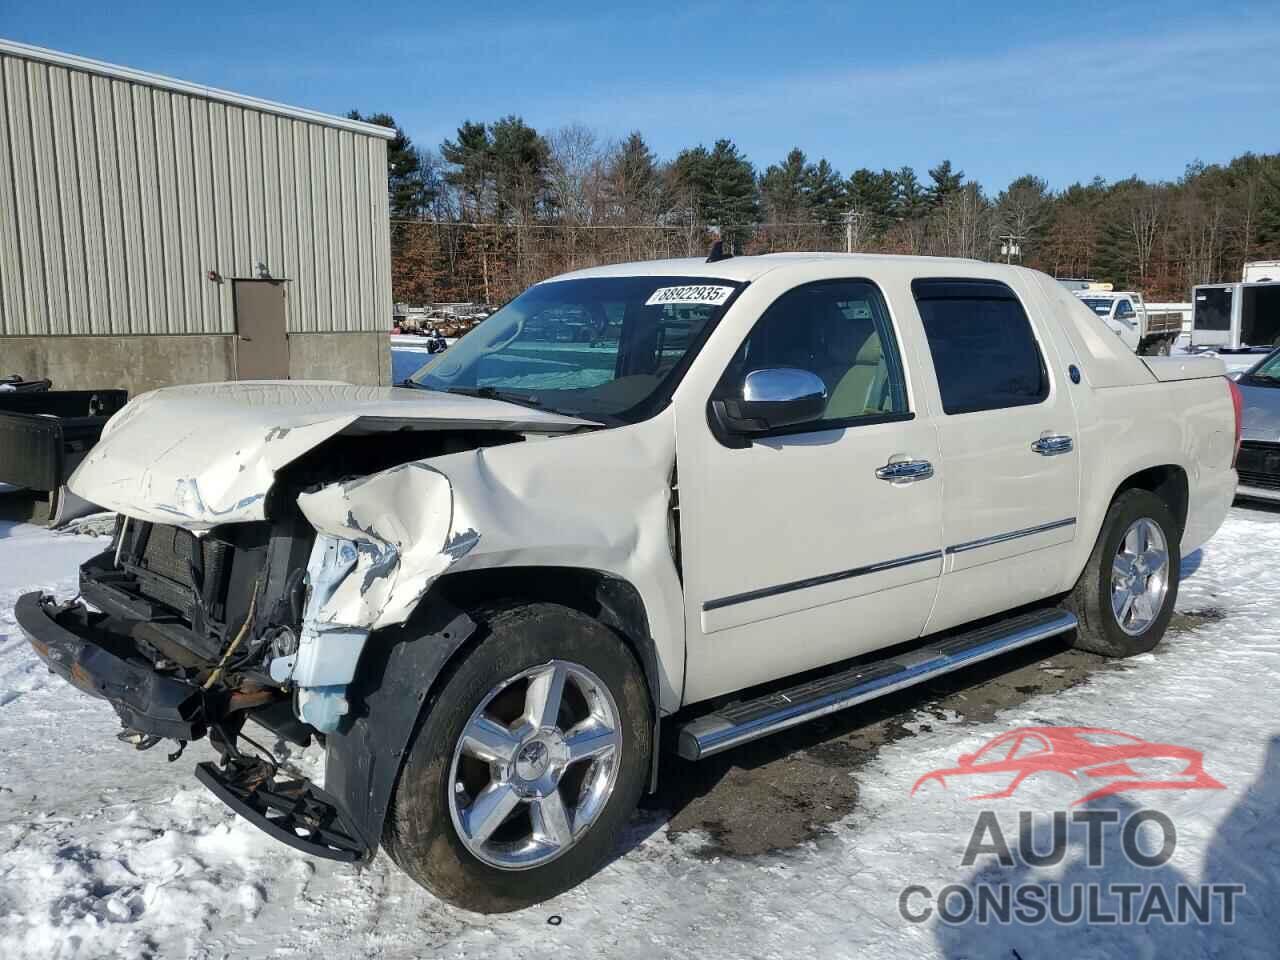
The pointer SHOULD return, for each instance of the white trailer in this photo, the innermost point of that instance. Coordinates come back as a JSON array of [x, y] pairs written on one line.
[[1236, 316]]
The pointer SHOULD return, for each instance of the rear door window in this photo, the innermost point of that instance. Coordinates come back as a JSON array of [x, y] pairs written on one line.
[[984, 352]]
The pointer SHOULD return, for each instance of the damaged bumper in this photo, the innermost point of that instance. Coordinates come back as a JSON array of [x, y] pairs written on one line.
[[343, 822], [77, 646], [81, 647]]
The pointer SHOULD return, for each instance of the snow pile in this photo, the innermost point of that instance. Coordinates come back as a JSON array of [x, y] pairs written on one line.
[[112, 852]]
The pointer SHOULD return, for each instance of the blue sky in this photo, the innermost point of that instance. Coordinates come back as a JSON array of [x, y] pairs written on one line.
[[1063, 90]]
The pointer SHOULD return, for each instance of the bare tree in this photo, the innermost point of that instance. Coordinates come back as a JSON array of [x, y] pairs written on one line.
[[962, 223], [1143, 218], [1021, 210], [576, 173]]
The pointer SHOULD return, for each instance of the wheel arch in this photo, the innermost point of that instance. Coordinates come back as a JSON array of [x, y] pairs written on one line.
[[1168, 482], [403, 666], [611, 599]]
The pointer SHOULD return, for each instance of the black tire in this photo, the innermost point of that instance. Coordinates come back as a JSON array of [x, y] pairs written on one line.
[[420, 835], [1090, 599]]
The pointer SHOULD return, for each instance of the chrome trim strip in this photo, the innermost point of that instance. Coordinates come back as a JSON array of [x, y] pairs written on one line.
[[1012, 535], [819, 580], [696, 746]]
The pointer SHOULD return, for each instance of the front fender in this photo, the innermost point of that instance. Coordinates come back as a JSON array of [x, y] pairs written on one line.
[[397, 674]]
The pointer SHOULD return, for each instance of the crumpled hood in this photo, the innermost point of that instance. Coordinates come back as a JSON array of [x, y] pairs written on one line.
[[206, 454]]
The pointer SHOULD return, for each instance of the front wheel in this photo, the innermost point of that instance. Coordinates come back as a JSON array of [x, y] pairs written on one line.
[[528, 763], [1125, 596]]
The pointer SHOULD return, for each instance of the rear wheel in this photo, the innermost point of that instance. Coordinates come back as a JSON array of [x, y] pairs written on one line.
[[527, 765], [1125, 596]]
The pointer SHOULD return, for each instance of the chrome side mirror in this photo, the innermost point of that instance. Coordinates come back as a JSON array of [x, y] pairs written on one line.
[[771, 399]]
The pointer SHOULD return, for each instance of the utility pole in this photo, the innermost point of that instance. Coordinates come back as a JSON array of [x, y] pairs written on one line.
[[1011, 246], [849, 219]]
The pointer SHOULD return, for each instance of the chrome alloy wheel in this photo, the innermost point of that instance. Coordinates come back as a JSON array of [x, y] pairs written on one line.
[[1139, 577], [535, 765]]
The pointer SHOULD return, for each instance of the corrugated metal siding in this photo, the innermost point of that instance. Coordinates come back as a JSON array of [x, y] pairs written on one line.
[[116, 199]]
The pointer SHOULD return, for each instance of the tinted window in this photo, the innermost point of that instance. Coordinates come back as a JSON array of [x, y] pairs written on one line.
[[839, 330], [1124, 311], [984, 352], [1212, 309]]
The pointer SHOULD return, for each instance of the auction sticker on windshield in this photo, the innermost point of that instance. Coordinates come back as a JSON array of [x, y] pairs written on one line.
[[699, 293]]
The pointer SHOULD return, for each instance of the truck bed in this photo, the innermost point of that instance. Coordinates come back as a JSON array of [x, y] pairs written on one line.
[[1164, 322]]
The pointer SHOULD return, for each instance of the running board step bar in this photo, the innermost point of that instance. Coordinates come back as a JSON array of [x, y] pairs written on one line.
[[749, 720]]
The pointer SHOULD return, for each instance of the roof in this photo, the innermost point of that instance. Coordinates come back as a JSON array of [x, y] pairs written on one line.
[[751, 268], [72, 62]]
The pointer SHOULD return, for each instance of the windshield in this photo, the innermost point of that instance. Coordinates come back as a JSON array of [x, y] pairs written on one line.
[[1268, 369], [603, 347], [1101, 307]]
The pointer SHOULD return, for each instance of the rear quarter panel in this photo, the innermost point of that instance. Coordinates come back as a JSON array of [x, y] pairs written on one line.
[[1129, 421], [1125, 430]]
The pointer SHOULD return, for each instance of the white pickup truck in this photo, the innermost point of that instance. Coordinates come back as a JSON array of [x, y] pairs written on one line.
[[766, 489], [1143, 331]]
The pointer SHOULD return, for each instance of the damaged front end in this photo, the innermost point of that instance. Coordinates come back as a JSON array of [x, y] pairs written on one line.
[[190, 629], [189, 636]]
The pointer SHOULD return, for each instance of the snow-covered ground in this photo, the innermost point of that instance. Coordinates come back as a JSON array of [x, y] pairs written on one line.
[[111, 852]]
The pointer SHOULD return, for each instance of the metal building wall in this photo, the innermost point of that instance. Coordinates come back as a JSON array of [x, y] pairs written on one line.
[[117, 198]]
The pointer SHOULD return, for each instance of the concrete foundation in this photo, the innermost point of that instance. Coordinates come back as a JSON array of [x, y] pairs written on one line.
[[142, 363], [361, 358]]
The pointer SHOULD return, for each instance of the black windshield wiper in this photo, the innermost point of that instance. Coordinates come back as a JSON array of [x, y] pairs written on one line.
[[492, 393], [414, 384]]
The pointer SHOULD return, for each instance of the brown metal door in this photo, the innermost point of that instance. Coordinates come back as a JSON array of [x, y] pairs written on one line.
[[262, 346]]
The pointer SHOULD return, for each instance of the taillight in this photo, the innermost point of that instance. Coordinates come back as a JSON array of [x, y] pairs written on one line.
[[1237, 404]]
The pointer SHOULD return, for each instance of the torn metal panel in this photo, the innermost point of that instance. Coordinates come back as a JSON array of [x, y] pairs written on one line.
[[402, 528], [381, 541], [596, 501], [201, 455]]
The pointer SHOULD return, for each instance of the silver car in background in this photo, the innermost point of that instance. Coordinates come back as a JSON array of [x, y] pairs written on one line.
[[1259, 462]]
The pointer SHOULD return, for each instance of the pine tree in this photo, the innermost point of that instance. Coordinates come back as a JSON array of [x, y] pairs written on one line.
[[910, 202], [632, 184], [719, 187], [471, 159], [945, 182], [409, 194], [783, 189], [870, 201], [824, 192], [521, 158]]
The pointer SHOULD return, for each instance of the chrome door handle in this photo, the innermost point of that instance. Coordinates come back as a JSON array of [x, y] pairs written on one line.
[[1050, 445], [905, 471]]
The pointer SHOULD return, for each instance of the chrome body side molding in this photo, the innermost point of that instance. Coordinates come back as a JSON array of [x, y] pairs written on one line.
[[819, 580], [1011, 535]]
